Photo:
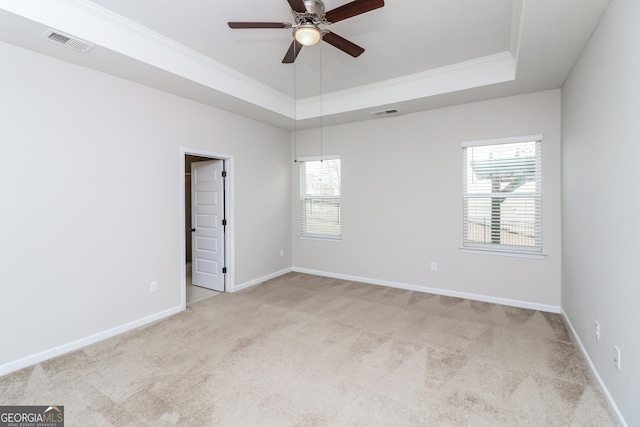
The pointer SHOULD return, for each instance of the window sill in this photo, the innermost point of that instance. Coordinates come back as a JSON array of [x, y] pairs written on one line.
[[322, 238], [515, 254]]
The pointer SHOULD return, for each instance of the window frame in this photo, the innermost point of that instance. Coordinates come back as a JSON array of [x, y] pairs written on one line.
[[302, 234], [534, 251]]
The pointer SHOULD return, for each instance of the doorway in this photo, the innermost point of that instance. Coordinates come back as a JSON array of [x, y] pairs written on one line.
[[207, 229]]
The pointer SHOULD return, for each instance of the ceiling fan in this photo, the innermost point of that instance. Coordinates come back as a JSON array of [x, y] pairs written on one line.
[[308, 16]]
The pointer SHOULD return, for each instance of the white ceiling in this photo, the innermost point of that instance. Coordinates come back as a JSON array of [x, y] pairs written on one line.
[[420, 54], [399, 38]]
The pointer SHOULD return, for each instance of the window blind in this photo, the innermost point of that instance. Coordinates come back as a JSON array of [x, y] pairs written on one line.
[[320, 189], [502, 195]]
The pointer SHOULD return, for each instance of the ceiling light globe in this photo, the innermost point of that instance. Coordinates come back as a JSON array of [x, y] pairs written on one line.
[[307, 35]]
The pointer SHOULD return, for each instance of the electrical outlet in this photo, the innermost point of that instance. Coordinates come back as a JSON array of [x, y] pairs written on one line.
[[434, 266], [153, 286], [616, 356], [281, 253], [597, 330]]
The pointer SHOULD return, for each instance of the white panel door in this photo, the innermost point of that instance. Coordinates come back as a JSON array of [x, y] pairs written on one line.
[[207, 210]]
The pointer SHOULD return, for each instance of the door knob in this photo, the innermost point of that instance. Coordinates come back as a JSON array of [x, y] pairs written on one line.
[[193, 229]]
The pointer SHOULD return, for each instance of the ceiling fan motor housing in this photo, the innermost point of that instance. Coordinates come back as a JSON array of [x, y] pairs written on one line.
[[315, 7]]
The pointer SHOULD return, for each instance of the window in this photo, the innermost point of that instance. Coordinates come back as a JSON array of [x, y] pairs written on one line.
[[502, 194], [320, 183]]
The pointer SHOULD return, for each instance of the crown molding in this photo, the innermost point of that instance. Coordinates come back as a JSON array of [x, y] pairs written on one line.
[[492, 69], [517, 29], [93, 23]]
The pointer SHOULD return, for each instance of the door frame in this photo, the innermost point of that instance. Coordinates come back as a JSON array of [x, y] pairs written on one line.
[[229, 207]]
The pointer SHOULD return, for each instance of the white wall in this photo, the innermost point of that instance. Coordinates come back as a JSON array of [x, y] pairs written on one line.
[[402, 200], [601, 209], [90, 182]]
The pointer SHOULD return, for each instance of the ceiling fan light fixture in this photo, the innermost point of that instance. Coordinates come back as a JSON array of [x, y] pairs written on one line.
[[307, 34]]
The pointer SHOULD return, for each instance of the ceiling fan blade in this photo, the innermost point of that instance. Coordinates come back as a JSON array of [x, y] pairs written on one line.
[[354, 8], [343, 44], [292, 53], [297, 6], [248, 25]]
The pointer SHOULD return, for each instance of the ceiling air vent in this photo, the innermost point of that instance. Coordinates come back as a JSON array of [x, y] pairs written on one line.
[[67, 40], [385, 112]]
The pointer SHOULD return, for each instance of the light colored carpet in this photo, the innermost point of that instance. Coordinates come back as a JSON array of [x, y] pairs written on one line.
[[303, 350]]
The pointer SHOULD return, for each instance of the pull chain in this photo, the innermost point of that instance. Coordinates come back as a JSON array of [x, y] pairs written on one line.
[[295, 108], [321, 90]]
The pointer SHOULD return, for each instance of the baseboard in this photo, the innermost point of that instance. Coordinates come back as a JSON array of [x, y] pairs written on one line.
[[603, 387], [76, 345], [260, 280], [417, 288]]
